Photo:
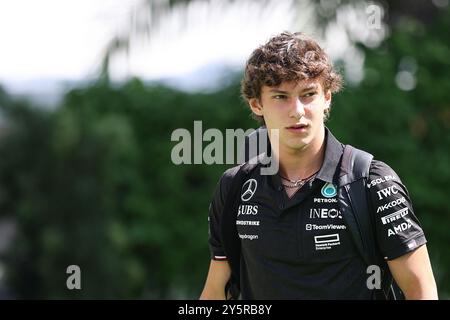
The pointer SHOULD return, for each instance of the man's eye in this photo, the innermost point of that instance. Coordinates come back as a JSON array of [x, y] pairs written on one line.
[[280, 97], [309, 94]]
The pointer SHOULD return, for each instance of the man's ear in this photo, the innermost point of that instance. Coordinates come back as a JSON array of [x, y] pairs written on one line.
[[256, 106], [327, 99]]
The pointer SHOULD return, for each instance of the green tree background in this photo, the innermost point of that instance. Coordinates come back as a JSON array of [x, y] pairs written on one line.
[[92, 183]]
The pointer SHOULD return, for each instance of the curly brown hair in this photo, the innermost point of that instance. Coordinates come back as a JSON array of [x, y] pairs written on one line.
[[288, 57]]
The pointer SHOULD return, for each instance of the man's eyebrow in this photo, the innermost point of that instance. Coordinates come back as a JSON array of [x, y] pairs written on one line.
[[278, 91], [307, 88], [310, 87]]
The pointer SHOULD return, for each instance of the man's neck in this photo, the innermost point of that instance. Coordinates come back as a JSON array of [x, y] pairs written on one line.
[[300, 164]]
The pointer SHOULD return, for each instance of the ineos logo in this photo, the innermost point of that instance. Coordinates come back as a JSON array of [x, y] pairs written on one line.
[[248, 189]]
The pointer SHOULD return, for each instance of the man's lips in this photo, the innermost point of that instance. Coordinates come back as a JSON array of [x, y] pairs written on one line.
[[297, 126]]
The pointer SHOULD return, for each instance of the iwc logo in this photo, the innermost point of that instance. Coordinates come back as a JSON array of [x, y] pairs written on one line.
[[248, 189], [329, 190]]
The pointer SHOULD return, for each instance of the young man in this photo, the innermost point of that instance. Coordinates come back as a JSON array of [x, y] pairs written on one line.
[[294, 242]]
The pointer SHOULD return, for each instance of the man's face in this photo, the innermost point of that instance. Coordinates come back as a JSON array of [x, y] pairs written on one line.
[[296, 109]]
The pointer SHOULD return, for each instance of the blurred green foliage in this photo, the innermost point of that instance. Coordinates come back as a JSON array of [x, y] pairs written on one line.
[[92, 183]]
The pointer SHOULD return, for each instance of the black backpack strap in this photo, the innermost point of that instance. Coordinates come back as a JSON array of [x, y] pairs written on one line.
[[230, 238], [356, 211], [354, 202]]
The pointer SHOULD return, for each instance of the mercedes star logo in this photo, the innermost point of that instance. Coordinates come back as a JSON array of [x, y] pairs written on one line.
[[248, 189]]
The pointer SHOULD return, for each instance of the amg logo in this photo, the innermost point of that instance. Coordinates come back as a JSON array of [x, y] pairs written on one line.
[[386, 192], [247, 209], [391, 204], [324, 213], [394, 216]]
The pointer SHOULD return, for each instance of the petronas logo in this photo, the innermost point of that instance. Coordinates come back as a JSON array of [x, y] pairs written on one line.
[[329, 190]]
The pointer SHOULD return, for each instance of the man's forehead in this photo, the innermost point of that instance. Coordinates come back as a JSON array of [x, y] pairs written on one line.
[[301, 85]]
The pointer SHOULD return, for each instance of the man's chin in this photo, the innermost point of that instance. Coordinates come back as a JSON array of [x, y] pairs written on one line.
[[298, 145]]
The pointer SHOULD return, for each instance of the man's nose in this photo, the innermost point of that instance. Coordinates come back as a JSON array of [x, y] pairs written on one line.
[[298, 109]]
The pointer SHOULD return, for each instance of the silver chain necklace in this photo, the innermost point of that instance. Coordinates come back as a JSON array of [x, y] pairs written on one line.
[[296, 183]]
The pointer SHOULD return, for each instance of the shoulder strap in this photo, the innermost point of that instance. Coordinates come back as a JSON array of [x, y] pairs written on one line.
[[230, 239], [355, 209], [353, 200]]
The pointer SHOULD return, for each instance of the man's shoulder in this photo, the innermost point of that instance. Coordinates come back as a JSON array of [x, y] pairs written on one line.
[[224, 183], [380, 168], [377, 167], [381, 174], [230, 173]]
